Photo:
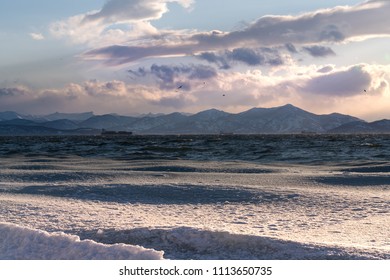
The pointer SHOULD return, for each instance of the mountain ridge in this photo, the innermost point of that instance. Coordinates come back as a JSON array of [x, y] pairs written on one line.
[[284, 119]]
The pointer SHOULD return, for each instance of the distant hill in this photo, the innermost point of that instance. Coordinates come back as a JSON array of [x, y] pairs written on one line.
[[62, 124], [26, 130], [111, 122], [382, 126], [72, 117], [278, 120], [6, 116], [284, 119]]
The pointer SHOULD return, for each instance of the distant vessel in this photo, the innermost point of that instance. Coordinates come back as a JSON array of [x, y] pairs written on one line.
[[115, 133]]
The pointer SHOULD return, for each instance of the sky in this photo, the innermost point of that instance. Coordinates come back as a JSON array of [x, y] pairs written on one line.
[[138, 56]]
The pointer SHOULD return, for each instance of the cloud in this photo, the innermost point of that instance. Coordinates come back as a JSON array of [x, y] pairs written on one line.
[[320, 89], [92, 95], [117, 55], [140, 96], [349, 82], [118, 21], [215, 58], [115, 11], [245, 55], [323, 26], [175, 102], [171, 77], [291, 48], [319, 51], [37, 36], [250, 57], [325, 69], [309, 30], [263, 56], [12, 92], [77, 32], [331, 33], [339, 83]]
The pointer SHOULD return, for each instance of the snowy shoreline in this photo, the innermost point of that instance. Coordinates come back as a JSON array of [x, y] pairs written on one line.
[[199, 210], [21, 243]]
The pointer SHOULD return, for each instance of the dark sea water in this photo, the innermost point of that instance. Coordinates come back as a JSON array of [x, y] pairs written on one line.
[[296, 149]]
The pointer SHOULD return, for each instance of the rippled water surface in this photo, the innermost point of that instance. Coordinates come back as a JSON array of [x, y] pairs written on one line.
[[308, 149]]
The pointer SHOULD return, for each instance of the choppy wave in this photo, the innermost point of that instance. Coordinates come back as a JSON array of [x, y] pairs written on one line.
[[314, 149]]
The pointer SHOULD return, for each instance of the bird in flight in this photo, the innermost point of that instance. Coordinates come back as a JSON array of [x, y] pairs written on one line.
[[179, 88]]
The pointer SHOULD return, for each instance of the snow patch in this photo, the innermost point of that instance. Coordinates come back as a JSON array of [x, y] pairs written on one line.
[[21, 243]]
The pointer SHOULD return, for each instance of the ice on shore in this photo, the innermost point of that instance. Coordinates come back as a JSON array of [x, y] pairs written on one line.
[[18, 243], [22, 243], [192, 210]]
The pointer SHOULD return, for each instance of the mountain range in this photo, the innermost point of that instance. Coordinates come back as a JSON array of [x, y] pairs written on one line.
[[278, 120]]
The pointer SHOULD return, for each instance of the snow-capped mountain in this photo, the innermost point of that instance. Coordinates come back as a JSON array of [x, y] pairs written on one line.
[[283, 119]]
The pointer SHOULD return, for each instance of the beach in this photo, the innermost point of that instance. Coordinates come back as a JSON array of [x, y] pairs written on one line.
[[202, 210]]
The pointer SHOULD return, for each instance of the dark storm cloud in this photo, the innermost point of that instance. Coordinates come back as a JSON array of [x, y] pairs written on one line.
[[319, 51]]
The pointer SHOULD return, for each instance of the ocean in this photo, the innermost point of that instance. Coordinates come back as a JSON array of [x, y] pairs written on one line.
[[262, 149], [302, 196]]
